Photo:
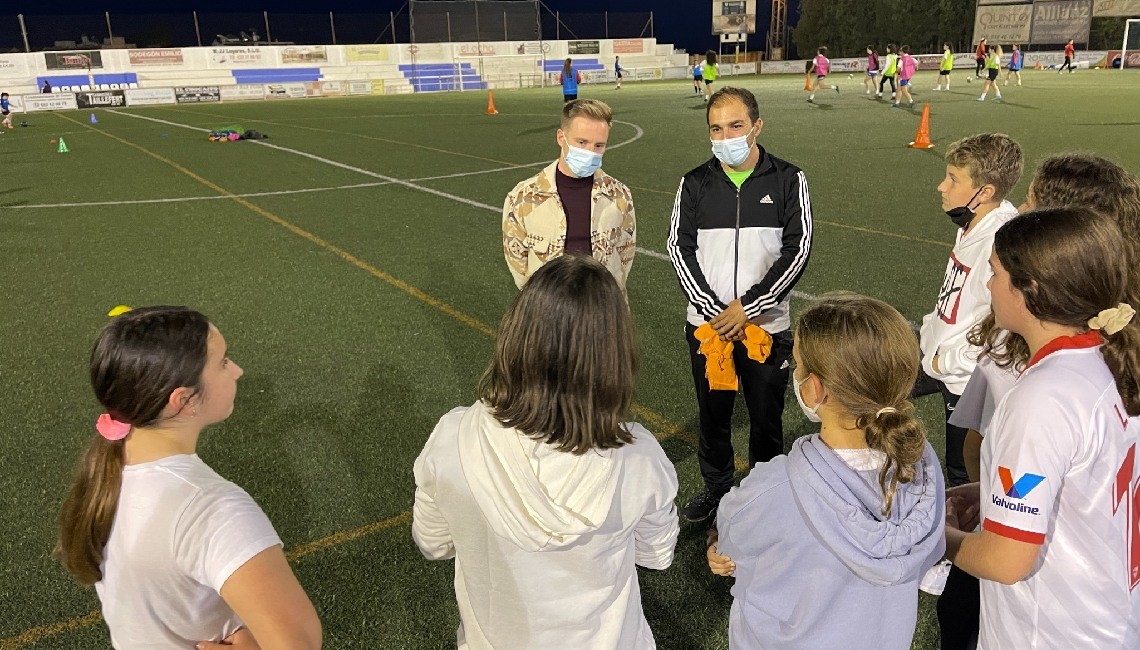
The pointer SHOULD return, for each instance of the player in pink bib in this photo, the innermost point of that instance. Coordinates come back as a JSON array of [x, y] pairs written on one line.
[[820, 65], [907, 67]]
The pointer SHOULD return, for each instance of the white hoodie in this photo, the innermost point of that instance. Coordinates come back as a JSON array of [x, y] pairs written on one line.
[[963, 301], [544, 541]]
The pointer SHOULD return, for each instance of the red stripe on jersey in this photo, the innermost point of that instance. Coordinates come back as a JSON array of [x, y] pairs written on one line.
[[1013, 533], [1089, 339]]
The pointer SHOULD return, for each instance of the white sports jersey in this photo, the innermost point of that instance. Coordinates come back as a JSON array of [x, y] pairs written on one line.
[[1059, 470], [963, 301]]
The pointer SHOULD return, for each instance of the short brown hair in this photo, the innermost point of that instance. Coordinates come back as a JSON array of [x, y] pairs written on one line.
[[742, 95], [589, 108], [867, 359], [991, 159], [565, 358]]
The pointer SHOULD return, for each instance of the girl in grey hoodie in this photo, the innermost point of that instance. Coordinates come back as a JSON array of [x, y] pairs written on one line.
[[828, 543]]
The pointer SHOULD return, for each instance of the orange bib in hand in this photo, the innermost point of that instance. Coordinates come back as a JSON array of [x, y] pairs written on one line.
[[719, 368]]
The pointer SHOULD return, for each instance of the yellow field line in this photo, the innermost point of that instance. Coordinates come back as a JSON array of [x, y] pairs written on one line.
[[44, 631], [667, 428]]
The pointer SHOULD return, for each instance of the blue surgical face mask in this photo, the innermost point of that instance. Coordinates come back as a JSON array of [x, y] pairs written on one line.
[[732, 151], [582, 162]]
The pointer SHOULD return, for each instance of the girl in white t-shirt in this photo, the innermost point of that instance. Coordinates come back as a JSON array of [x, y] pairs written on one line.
[[179, 556], [1058, 474]]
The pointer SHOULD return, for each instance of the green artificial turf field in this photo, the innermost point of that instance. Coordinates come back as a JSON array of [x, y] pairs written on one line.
[[355, 267]]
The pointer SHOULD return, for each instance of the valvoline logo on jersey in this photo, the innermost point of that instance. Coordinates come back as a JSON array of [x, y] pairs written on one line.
[[1018, 490]]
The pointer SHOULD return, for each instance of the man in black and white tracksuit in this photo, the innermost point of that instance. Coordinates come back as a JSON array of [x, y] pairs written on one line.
[[739, 239]]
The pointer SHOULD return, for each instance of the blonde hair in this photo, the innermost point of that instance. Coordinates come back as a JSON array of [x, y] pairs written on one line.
[[592, 109], [565, 358], [867, 359], [991, 159]]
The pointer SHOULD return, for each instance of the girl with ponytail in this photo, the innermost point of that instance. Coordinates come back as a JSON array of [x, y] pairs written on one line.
[[178, 555], [1058, 464], [838, 532]]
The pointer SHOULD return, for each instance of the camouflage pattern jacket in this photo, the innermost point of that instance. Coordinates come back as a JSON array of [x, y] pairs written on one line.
[[534, 225]]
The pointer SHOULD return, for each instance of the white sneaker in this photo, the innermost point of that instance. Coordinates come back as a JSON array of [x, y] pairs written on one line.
[[868, 92], [934, 580]]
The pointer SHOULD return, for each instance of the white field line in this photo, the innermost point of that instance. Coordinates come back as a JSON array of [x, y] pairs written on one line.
[[412, 186]]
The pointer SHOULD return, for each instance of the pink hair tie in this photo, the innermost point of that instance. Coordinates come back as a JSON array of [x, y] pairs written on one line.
[[110, 428]]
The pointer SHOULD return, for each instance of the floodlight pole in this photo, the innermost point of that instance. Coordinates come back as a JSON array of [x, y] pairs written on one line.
[[197, 32], [392, 17], [110, 36], [268, 35], [332, 27], [24, 31]]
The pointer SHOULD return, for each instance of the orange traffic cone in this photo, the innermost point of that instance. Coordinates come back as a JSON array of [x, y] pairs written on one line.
[[807, 81], [922, 138], [491, 104]]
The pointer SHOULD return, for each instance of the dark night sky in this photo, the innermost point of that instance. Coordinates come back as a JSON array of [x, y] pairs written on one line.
[[675, 22]]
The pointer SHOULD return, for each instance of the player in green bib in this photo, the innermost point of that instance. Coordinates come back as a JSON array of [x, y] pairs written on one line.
[[993, 68], [945, 66]]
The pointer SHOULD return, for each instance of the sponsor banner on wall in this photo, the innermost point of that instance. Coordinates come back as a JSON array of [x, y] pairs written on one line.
[[1131, 60], [782, 67], [1003, 23], [1057, 22], [304, 54], [229, 57], [1127, 8], [149, 96], [584, 47], [646, 74], [160, 56], [242, 92], [360, 88], [285, 90], [480, 49], [847, 65], [324, 88], [376, 87], [12, 65], [197, 94], [52, 102], [425, 51], [531, 47], [365, 53], [73, 60], [101, 99], [629, 46]]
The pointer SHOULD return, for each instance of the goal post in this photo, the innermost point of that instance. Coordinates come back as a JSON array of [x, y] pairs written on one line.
[[1131, 42]]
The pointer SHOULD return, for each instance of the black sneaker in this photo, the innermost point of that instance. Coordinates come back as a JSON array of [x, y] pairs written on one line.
[[701, 507]]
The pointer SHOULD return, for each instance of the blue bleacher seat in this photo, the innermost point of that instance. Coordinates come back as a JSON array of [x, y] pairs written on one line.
[[435, 77], [58, 80], [276, 75]]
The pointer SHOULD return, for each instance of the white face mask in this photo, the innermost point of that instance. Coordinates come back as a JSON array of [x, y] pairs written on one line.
[[812, 413], [732, 151]]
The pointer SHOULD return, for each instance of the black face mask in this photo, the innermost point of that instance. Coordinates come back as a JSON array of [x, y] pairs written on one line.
[[962, 215]]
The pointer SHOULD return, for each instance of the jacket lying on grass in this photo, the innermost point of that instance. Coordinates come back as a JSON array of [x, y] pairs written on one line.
[[544, 541]]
